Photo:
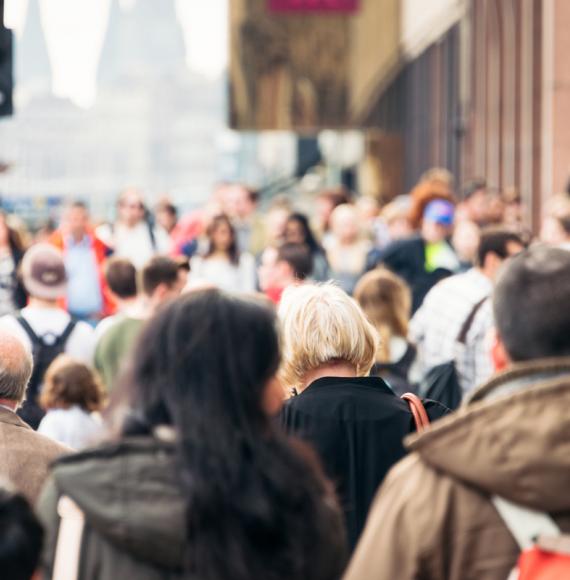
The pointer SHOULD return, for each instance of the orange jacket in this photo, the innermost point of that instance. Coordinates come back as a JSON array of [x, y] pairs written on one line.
[[101, 251]]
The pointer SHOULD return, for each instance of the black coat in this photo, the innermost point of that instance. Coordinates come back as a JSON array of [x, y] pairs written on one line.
[[407, 259], [357, 427]]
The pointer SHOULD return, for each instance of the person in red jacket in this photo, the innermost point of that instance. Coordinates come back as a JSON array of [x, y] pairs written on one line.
[[87, 296]]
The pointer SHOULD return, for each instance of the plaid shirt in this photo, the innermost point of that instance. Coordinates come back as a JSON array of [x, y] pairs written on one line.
[[436, 325]]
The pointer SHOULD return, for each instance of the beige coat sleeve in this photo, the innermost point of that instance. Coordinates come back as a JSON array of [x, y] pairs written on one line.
[[399, 531]]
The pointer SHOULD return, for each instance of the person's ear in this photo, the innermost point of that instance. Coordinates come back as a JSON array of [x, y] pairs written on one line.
[[499, 354], [273, 396], [160, 292]]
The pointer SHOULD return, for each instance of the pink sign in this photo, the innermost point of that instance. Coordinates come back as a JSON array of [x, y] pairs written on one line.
[[313, 5]]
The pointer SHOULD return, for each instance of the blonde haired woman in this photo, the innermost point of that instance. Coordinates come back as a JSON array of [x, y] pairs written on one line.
[[387, 301], [355, 422]]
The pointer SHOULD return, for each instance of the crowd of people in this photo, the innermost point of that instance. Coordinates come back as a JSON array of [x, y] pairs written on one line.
[[244, 391]]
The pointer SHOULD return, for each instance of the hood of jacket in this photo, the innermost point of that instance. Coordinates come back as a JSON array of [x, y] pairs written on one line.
[[130, 494], [511, 438]]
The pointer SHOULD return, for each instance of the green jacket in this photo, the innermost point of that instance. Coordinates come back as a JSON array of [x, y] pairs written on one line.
[[114, 348], [134, 511]]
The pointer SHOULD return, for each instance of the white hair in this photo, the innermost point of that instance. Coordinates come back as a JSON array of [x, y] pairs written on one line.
[[16, 365]]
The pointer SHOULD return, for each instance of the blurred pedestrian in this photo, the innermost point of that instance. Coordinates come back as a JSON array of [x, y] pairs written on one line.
[[223, 264], [424, 259], [84, 254], [200, 484], [159, 283], [474, 204], [465, 241], [276, 221], [121, 278], [436, 326], [346, 248], [288, 265], [355, 422], [436, 514], [326, 202], [12, 292], [298, 231], [133, 235], [166, 215], [240, 204], [72, 397], [393, 223], [45, 328], [386, 300], [26, 455]]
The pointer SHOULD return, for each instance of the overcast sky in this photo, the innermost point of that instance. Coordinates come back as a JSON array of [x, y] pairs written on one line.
[[75, 31]]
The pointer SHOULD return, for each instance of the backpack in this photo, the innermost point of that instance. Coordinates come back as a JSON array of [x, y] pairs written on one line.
[[441, 383], [45, 349], [545, 551]]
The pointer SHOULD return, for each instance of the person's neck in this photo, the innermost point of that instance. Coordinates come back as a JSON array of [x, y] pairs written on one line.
[[129, 225], [78, 236], [41, 303], [485, 272], [220, 255], [331, 369], [126, 303], [12, 405], [141, 308]]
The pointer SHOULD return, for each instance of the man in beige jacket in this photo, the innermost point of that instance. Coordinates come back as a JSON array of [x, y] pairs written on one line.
[[433, 518], [25, 455]]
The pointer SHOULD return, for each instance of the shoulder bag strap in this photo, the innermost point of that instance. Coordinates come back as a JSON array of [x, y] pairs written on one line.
[[418, 411], [524, 524], [151, 235], [69, 537], [462, 336]]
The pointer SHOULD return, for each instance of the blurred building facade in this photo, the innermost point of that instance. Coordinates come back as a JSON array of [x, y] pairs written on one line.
[[482, 88]]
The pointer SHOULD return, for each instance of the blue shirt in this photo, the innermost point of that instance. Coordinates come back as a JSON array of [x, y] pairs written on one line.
[[84, 296]]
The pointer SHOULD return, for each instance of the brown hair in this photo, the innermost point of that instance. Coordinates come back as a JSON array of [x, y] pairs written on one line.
[[158, 270], [218, 220], [121, 277], [386, 301], [70, 382], [424, 193]]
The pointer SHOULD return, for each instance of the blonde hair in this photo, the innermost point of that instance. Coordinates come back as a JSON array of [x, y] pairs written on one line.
[[322, 324], [386, 300]]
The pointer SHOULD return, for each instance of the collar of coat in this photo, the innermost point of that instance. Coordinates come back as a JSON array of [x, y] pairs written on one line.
[[512, 438], [9, 417]]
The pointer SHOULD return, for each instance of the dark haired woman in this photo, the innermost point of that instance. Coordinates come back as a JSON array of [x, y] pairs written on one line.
[[298, 231], [200, 484], [12, 293], [222, 265]]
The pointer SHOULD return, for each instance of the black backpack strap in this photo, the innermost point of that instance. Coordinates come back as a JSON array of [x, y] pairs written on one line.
[[462, 336], [62, 338], [34, 338]]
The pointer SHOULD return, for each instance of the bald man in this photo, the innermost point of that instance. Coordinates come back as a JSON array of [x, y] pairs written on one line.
[[25, 455]]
